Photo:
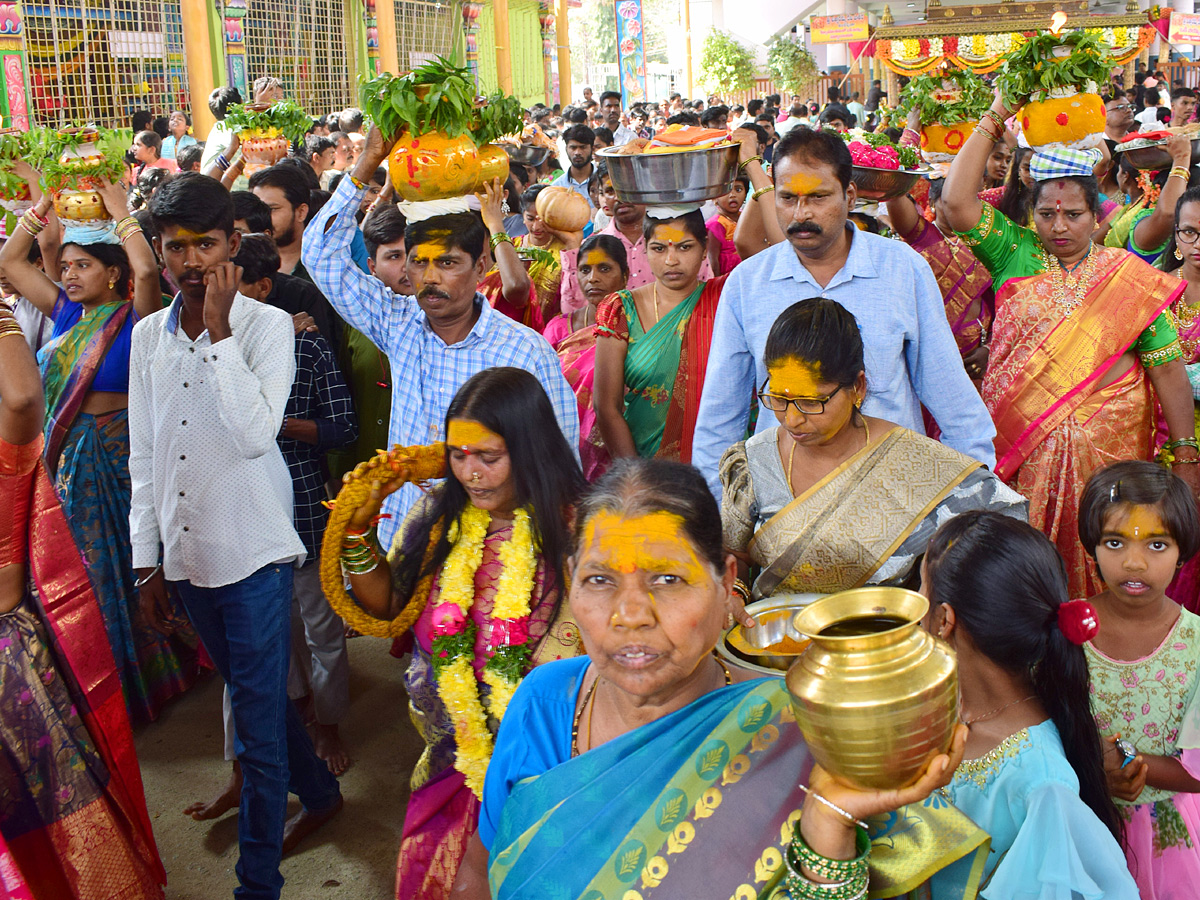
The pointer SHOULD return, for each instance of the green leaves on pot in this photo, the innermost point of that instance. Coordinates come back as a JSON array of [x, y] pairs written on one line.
[[438, 96], [286, 117], [110, 147], [919, 92], [1032, 70]]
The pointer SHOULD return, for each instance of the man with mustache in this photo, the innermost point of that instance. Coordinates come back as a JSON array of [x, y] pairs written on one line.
[[436, 343], [911, 356]]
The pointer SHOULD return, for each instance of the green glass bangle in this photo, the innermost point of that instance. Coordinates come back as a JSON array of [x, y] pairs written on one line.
[[804, 857]]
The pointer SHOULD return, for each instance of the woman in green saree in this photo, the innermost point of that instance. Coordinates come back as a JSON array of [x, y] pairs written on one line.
[[652, 346], [832, 499]]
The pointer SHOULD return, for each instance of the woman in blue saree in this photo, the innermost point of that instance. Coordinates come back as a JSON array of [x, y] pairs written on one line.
[[649, 770], [109, 284]]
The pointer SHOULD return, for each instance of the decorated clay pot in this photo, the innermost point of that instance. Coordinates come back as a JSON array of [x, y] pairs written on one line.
[[941, 143], [875, 695], [493, 163], [434, 166], [80, 201], [1068, 118], [262, 152]]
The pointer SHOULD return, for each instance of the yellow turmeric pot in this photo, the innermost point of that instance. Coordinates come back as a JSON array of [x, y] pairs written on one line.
[[434, 166], [1076, 121]]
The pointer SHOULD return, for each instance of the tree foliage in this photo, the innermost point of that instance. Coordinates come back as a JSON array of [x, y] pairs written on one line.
[[725, 64], [791, 66]]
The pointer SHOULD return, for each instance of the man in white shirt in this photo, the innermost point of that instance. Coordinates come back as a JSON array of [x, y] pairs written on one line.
[[219, 137], [1147, 119], [610, 108], [209, 381]]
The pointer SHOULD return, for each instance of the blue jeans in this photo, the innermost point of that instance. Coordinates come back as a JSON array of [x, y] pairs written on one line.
[[246, 630]]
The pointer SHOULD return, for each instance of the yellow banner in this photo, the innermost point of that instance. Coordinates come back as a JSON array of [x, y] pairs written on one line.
[[1185, 28], [839, 29]]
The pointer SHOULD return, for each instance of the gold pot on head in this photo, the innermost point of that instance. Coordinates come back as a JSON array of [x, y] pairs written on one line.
[[875, 695]]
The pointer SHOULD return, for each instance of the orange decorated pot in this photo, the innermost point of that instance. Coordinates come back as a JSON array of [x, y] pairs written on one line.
[[941, 143], [493, 163], [434, 166], [262, 152], [81, 201], [1075, 121]]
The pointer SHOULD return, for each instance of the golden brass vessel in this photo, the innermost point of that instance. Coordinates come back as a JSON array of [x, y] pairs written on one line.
[[873, 707]]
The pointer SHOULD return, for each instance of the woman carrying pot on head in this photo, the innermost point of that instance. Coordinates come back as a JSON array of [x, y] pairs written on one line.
[[1081, 334], [652, 345], [602, 271], [832, 499], [107, 287], [477, 572]]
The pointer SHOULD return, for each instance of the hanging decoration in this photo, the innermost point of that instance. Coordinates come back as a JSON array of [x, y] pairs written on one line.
[[470, 13]]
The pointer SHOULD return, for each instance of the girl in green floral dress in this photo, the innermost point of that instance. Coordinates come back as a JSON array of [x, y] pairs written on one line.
[[1139, 522]]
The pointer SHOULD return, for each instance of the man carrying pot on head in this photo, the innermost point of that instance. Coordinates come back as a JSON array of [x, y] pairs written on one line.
[[885, 284], [435, 344]]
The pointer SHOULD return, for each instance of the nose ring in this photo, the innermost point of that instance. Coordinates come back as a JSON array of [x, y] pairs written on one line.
[[474, 477]]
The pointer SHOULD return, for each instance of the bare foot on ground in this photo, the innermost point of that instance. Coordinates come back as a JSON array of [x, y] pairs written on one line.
[[304, 823], [229, 798], [328, 744]]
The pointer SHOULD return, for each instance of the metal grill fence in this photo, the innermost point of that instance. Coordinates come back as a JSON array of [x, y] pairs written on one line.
[[303, 43], [99, 60], [425, 29]]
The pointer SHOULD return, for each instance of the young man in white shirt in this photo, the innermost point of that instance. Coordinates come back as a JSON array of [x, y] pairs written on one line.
[[209, 381]]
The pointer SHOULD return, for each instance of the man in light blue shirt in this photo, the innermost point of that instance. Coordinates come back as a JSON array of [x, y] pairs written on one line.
[[911, 356], [436, 340], [579, 141]]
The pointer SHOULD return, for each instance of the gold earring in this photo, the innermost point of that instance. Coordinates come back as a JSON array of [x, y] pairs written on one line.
[[111, 285], [1178, 255]]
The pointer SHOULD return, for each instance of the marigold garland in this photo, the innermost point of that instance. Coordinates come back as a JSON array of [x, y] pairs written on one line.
[[408, 464], [454, 640]]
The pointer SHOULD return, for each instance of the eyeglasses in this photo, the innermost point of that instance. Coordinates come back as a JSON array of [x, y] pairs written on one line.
[[809, 406], [1120, 107], [1186, 235]]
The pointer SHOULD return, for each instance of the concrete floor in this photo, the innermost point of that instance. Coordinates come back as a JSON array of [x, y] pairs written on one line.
[[354, 856]]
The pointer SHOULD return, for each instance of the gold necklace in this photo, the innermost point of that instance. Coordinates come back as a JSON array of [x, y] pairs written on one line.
[[657, 315], [1068, 296], [587, 704], [998, 709], [792, 453]]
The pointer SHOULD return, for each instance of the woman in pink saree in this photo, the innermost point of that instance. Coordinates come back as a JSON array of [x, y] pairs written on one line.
[[602, 270]]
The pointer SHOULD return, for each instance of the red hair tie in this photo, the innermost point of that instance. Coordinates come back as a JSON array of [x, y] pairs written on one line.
[[1078, 621]]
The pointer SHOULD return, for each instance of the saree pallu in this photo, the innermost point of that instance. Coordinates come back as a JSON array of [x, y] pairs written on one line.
[[93, 481], [964, 281], [840, 532], [1054, 426], [577, 355], [664, 368], [72, 809], [701, 803], [1185, 588], [442, 812]]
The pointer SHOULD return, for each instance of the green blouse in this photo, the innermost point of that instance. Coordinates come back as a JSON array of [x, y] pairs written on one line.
[[1011, 251]]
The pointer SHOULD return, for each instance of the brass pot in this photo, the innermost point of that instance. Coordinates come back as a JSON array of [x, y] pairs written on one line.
[[434, 166], [877, 700]]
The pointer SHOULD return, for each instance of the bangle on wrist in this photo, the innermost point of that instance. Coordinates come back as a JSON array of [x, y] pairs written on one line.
[[499, 238], [742, 166], [142, 582], [1183, 442], [761, 191], [1180, 172], [358, 184]]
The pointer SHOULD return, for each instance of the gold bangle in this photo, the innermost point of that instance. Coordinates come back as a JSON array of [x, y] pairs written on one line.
[[741, 166], [761, 191], [1180, 172]]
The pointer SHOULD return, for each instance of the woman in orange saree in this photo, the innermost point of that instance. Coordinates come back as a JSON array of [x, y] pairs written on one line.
[[652, 346], [73, 821], [1080, 338]]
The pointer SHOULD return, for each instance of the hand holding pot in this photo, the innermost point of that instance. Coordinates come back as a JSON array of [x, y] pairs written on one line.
[[491, 199], [116, 201], [22, 169], [1180, 148], [374, 155]]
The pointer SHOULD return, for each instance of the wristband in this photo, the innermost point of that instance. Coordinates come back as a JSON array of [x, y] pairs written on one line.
[[358, 184], [222, 162]]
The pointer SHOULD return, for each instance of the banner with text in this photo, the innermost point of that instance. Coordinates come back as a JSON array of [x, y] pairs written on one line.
[[838, 29], [1185, 28], [631, 55]]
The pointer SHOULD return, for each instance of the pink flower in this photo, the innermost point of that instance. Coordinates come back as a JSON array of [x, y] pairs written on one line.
[[1129, 679], [510, 632], [448, 619], [1151, 730]]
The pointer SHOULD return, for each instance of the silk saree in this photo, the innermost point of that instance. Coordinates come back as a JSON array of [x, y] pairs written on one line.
[[1055, 424], [866, 522], [664, 367], [700, 803], [73, 814]]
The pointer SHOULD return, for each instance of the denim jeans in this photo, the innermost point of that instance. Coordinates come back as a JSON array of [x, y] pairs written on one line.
[[245, 628]]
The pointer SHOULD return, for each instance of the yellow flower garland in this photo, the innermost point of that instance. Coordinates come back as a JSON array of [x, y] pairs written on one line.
[[457, 685]]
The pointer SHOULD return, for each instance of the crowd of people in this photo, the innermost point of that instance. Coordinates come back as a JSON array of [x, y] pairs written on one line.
[[983, 390]]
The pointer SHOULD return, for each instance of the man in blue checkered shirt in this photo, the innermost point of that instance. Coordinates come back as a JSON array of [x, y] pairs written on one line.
[[440, 338]]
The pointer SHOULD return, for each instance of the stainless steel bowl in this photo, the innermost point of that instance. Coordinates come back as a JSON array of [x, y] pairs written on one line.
[[526, 154], [1153, 155], [884, 184], [749, 648], [687, 176]]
